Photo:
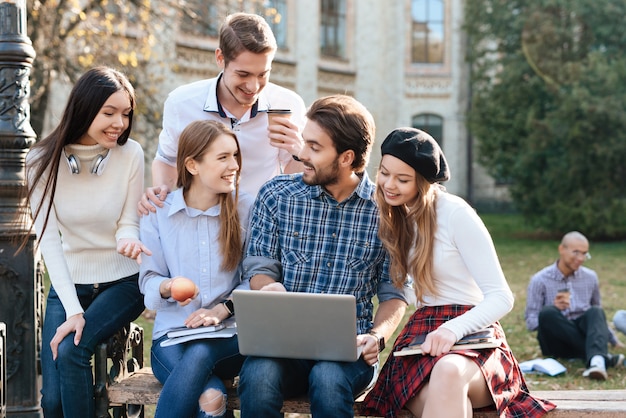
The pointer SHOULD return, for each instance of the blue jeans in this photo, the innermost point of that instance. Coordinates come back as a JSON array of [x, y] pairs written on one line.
[[189, 369], [67, 383], [332, 386]]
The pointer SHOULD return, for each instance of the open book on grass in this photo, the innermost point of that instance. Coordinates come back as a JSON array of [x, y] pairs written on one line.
[[484, 338], [548, 366]]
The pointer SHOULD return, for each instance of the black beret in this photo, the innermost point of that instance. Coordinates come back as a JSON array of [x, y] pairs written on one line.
[[419, 150]]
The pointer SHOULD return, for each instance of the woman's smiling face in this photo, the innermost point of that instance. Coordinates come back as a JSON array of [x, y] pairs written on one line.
[[397, 180]]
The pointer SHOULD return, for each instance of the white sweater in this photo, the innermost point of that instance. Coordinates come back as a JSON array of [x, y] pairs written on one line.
[[90, 213], [466, 268]]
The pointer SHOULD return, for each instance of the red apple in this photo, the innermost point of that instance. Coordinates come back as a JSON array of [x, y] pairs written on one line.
[[182, 289]]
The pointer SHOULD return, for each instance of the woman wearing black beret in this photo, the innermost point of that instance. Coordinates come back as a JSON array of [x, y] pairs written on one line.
[[437, 239]]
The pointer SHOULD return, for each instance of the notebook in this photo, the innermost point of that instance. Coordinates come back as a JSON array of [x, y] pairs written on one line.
[[298, 325], [226, 329], [182, 331], [484, 338]]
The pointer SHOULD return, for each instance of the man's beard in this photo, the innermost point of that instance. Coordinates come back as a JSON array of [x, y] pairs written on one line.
[[328, 178]]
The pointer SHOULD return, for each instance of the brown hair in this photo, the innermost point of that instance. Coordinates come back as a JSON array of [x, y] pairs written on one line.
[[193, 143], [242, 32], [348, 123], [408, 233]]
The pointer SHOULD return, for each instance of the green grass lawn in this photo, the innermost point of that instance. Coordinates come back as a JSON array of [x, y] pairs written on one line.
[[523, 252]]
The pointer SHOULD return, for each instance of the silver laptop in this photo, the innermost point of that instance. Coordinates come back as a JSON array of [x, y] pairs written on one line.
[[308, 326]]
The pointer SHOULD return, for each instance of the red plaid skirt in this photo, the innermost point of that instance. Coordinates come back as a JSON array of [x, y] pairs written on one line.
[[401, 378]]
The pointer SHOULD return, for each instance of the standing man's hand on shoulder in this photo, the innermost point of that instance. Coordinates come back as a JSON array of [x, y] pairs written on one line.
[[166, 177], [154, 196]]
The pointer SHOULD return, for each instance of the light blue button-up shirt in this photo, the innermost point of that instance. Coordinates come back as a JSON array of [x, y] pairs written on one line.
[[183, 242]]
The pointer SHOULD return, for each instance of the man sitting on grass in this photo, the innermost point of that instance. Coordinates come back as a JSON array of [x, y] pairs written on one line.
[[563, 305]]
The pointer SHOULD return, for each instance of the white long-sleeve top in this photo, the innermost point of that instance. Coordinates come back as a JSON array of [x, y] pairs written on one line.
[[89, 215], [466, 268]]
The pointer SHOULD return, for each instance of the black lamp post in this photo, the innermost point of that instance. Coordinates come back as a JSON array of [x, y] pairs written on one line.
[[21, 286]]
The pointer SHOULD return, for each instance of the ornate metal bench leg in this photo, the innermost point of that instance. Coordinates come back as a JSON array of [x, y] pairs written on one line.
[[3, 370], [100, 381], [125, 351]]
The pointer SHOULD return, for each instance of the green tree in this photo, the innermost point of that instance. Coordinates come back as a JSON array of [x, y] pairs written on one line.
[[549, 108]]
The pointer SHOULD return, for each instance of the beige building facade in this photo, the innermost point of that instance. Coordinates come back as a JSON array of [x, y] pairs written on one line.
[[403, 59]]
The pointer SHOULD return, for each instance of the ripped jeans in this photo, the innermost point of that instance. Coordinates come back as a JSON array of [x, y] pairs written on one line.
[[189, 369]]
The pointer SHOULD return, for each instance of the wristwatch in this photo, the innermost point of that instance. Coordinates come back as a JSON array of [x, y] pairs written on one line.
[[381, 341], [230, 307]]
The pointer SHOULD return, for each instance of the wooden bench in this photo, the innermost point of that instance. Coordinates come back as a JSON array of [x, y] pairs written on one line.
[[128, 392]]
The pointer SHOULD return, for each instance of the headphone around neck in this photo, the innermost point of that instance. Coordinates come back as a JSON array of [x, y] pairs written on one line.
[[97, 164]]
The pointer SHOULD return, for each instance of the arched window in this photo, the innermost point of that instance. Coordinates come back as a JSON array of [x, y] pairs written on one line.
[[430, 123], [427, 34]]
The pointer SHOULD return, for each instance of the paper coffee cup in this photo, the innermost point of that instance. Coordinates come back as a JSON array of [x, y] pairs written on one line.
[[564, 295], [282, 113], [274, 113]]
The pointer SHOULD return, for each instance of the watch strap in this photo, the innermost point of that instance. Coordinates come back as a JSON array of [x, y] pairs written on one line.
[[381, 340], [230, 306]]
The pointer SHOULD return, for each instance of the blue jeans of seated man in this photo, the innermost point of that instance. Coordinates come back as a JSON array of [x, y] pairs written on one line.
[[188, 369], [67, 382], [332, 386]]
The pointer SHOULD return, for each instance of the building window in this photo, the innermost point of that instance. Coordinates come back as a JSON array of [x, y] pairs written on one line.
[[200, 18], [333, 28], [203, 18], [431, 124], [275, 12], [427, 42]]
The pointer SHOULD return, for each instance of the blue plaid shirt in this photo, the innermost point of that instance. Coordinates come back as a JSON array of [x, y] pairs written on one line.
[[301, 236]]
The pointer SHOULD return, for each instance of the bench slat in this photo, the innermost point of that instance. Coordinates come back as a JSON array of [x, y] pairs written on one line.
[[584, 395], [142, 388]]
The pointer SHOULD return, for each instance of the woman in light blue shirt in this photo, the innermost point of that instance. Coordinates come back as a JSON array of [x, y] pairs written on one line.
[[199, 234]]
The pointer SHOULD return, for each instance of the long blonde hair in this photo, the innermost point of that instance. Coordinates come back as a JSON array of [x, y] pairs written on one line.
[[408, 233]]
